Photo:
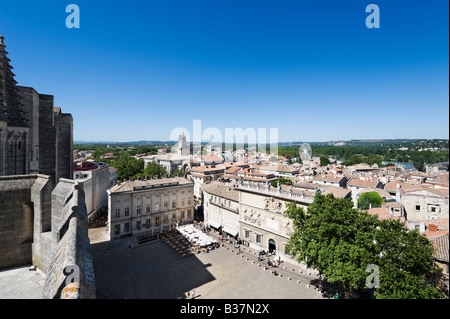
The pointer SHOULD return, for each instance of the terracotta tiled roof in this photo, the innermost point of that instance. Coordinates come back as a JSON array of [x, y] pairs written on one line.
[[441, 247], [362, 183], [220, 189], [328, 178], [202, 169], [212, 158], [128, 186]]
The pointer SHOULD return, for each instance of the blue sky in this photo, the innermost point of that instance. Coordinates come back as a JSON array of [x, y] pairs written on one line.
[[136, 70]]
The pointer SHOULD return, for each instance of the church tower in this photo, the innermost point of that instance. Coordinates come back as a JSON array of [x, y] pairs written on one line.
[[14, 128], [35, 136]]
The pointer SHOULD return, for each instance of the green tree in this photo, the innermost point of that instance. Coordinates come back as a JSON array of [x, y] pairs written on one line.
[[178, 172], [369, 199], [282, 180], [154, 169], [127, 166], [340, 242], [418, 161], [333, 238], [406, 263], [324, 161]]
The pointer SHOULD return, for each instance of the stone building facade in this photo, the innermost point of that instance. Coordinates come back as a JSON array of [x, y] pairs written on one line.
[[221, 207], [35, 136], [424, 206], [262, 223], [95, 181], [149, 206]]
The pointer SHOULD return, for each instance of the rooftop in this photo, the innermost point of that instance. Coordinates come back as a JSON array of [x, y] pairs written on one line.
[[129, 186], [362, 183], [222, 190]]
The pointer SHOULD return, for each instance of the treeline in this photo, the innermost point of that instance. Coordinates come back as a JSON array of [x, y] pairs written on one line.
[[100, 149], [351, 155], [127, 166]]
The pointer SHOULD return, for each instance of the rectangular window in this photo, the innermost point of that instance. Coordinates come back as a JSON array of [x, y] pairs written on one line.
[[157, 221], [165, 205], [127, 211], [258, 238], [148, 223], [117, 229], [156, 207], [117, 212], [148, 209], [174, 204], [182, 214], [138, 225], [166, 219], [174, 216], [417, 207], [138, 210], [126, 228], [247, 234]]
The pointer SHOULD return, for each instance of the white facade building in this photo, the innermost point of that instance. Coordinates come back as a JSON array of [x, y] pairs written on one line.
[[149, 206], [95, 182], [221, 207]]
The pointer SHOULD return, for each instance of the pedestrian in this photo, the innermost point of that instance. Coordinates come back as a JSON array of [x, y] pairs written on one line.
[[188, 294]]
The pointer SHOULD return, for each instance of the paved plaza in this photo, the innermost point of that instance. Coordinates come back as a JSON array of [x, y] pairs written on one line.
[[156, 270], [21, 283], [125, 269]]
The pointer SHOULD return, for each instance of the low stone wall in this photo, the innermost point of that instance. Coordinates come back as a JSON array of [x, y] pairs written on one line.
[[71, 271], [47, 226], [16, 220]]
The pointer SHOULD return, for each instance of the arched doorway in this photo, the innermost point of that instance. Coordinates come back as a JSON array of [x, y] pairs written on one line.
[[272, 246]]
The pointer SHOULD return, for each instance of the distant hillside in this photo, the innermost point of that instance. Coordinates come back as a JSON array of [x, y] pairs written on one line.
[[373, 142], [126, 143], [359, 142]]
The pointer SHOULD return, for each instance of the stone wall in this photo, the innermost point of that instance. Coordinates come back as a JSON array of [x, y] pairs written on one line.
[[71, 272], [47, 226], [64, 144], [16, 220]]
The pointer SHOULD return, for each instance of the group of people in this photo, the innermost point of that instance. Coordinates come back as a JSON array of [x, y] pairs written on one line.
[[198, 249]]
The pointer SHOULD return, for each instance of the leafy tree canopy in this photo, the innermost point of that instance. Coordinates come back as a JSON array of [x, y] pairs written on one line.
[[369, 199], [340, 242]]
